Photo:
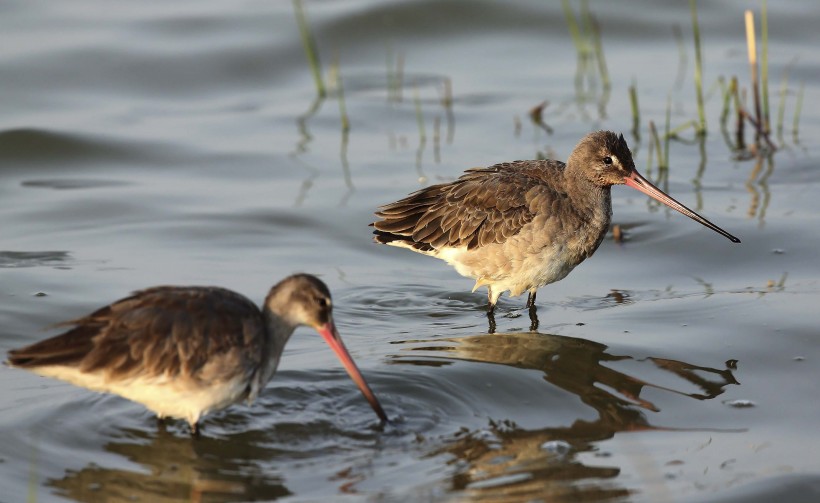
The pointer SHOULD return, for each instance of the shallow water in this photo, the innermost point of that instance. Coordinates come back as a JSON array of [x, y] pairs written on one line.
[[184, 144]]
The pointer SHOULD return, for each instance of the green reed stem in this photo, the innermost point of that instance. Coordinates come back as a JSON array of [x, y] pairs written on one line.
[[750, 43], [419, 115], [598, 49], [390, 77], [399, 76], [341, 91], [682, 57], [740, 141], [636, 114], [395, 75], [797, 108], [764, 66], [666, 135], [726, 93], [673, 133], [727, 99], [653, 133], [447, 93], [447, 103], [437, 139], [781, 107], [574, 30], [309, 44], [698, 69]]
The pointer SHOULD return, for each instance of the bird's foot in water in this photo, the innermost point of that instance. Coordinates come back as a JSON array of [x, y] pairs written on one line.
[[533, 319], [515, 313], [491, 323]]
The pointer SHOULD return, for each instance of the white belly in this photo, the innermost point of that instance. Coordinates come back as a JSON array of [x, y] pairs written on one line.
[[181, 398], [511, 266]]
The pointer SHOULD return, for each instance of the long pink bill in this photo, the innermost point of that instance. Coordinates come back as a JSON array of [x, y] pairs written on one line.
[[331, 336], [636, 181]]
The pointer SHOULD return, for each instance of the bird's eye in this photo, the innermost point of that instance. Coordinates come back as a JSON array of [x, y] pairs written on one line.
[[607, 160], [322, 302]]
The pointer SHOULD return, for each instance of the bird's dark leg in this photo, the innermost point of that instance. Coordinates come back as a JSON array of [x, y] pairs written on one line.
[[195, 430], [490, 310], [531, 299], [532, 309], [533, 319], [161, 424], [490, 303]]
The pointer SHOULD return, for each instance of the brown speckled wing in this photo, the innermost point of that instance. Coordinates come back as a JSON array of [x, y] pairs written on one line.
[[483, 206], [162, 330]]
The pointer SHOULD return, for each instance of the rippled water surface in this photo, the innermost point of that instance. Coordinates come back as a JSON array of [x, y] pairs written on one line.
[[184, 143]]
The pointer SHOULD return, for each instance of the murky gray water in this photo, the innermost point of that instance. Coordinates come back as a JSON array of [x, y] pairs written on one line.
[[146, 143]]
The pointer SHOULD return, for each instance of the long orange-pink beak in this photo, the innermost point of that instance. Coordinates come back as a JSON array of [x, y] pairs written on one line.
[[331, 336], [636, 181]]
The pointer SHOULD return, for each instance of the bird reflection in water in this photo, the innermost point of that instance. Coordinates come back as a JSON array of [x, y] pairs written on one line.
[[511, 463], [172, 469]]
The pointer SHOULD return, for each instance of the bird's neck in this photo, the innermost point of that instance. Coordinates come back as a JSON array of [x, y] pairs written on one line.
[[593, 204], [277, 333], [590, 198]]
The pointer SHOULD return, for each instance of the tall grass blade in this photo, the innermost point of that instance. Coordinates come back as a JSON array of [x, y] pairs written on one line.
[[636, 115], [309, 44], [750, 44], [764, 66], [698, 69], [797, 108]]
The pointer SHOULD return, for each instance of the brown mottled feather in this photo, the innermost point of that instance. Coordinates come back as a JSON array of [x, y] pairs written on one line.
[[152, 333], [188, 351], [483, 206], [521, 225]]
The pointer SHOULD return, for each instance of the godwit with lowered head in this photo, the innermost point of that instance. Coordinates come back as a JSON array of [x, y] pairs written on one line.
[[184, 352], [521, 225]]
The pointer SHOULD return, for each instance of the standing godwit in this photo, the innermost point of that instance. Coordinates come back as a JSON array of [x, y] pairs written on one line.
[[521, 225], [184, 352]]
